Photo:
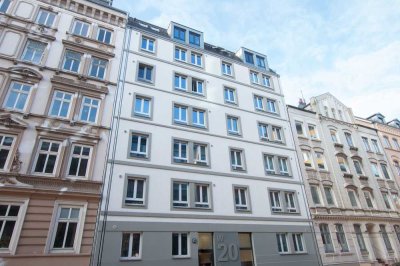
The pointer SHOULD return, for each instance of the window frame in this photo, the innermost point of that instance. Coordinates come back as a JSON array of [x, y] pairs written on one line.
[[129, 258], [295, 239], [227, 101], [192, 204], [146, 67], [147, 154], [188, 241], [327, 235], [65, 58], [143, 97], [228, 124], [189, 116], [74, 25], [99, 65], [19, 91], [236, 167], [62, 101], [239, 208], [226, 65], [88, 165], [83, 104], [280, 242], [190, 155], [146, 49], [135, 177], [106, 30], [24, 52], [47, 17], [7, 4], [59, 155], [11, 149]]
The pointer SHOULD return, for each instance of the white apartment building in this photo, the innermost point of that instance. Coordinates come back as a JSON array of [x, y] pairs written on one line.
[[351, 190], [202, 167]]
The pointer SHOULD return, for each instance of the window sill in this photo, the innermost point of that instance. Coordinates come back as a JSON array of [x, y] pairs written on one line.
[[189, 92], [234, 134], [286, 213], [150, 82], [142, 116], [138, 157], [181, 257], [178, 123], [179, 208], [130, 259], [278, 175], [316, 140], [90, 39], [242, 211], [228, 76], [193, 164], [133, 206], [147, 51]]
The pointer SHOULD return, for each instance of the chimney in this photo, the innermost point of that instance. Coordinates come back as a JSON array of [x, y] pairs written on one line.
[[302, 103]]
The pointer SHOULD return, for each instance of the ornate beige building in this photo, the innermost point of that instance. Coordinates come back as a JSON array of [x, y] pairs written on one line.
[[351, 190], [58, 72]]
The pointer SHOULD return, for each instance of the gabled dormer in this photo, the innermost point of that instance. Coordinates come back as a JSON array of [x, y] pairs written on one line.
[[253, 58], [186, 35], [395, 123], [378, 118]]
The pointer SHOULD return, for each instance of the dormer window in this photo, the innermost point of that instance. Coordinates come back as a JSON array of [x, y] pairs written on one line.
[[179, 33], [194, 38], [248, 57], [260, 61]]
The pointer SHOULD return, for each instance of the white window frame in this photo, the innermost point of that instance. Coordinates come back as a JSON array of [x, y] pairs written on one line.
[[201, 203], [312, 128], [180, 201], [135, 188], [48, 14], [196, 59], [100, 64], [80, 158], [275, 198], [139, 154], [297, 240], [147, 44], [104, 36], [375, 145], [237, 154], [266, 81], [180, 255], [281, 238], [367, 146], [35, 51], [356, 199], [48, 153], [180, 158], [254, 78], [277, 134], [230, 91], [130, 246], [74, 60], [62, 101], [230, 125], [9, 148], [368, 195], [91, 106], [263, 131], [328, 189], [227, 69], [146, 69], [271, 106], [244, 203], [269, 164], [19, 92], [7, 3], [197, 86], [283, 162], [320, 156], [83, 25], [290, 202], [141, 112], [182, 80], [182, 53], [307, 157], [298, 123]]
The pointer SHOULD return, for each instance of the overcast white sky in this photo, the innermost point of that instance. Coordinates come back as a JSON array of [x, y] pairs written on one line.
[[350, 48]]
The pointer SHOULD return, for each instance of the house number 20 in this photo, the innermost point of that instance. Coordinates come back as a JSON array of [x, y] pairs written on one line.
[[229, 252]]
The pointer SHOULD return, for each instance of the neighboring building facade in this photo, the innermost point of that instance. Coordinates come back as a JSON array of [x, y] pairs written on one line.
[[58, 70], [202, 168], [389, 134], [351, 189]]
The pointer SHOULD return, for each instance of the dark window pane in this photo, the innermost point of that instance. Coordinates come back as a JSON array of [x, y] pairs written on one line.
[[184, 244], [135, 245], [51, 162], [7, 234], [175, 244], [40, 163], [74, 166], [14, 209], [125, 245], [83, 167], [69, 241], [3, 210], [58, 241], [131, 186], [3, 157]]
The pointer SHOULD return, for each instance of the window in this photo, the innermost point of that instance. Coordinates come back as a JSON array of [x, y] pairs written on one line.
[[329, 196], [6, 146], [274, 197], [375, 145], [254, 77], [80, 28], [271, 106], [197, 86], [271, 160], [104, 35], [4, 5], [60, 104], [397, 166], [315, 194], [258, 103], [206, 249], [233, 125], [191, 195], [307, 159], [180, 245], [358, 167], [340, 115], [326, 238], [386, 142], [263, 131], [386, 200], [241, 199], [360, 238], [367, 147], [89, 109], [33, 52], [180, 153], [198, 156], [341, 237], [180, 114], [197, 117], [266, 81], [142, 106], [98, 68], [385, 237], [312, 131], [397, 231], [385, 171], [353, 198], [196, 59], [299, 128], [237, 159], [17, 96], [333, 113], [349, 139], [230, 95], [179, 33], [226, 69], [248, 57], [47, 157], [320, 161], [334, 136], [298, 243], [396, 144], [283, 166], [277, 134], [131, 247], [79, 161], [8, 221], [374, 169], [290, 202], [287, 197], [246, 249], [135, 191], [194, 38], [281, 240], [45, 18], [368, 199], [326, 111], [68, 225], [260, 61], [269, 164], [145, 73], [180, 54], [342, 164], [139, 146], [180, 82], [72, 61]]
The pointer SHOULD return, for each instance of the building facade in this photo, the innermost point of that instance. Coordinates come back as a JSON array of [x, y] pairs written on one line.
[[202, 167], [351, 189], [58, 72]]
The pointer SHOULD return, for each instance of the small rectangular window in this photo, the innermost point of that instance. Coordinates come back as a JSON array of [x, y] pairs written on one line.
[[145, 73], [180, 82], [79, 161], [47, 157], [290, 202], [385, 171], [233, 125], [298, 243], [386, 200], [237, 158], [258, 103], [179, 33], [385, 237], [315, 194], [260, 61], [312, 131], [283, 166], [194, 38], [366, 144], [60, 104], [6, 147], [329, 196], [135, 191], [98, 68], [263, 131], [80, 28], [45, 18], [368, 199], [326, 238], [180, 245], [104, 35], [202, 196], [320, 158], [299, 128], [353, 198], [349, 139], [180, 152], [271, 106], [196, 59], [341, 237], [249, 57], [226, 69], [148, 44], [180, 54], [89, 109], [180, 194], [197, 86], [282, 242], [131, 247], [67, 226], [8, 221], [72, 61], [139, 146], [241, 199], [269, 164], [376, 146], [274, 197], [230, 95], [191, 195], [277, 134], [358, 167], [142, 106], [374, 168], [254, 77], [360, 238], [33, 52], [17, 96]]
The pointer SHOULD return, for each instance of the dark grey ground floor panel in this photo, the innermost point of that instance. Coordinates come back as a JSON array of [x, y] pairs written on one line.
[[226, 250]]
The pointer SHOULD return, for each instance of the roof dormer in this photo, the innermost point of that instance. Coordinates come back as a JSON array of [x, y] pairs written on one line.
[[253, 58], [186, 35], [378, 117], [394, 123]]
